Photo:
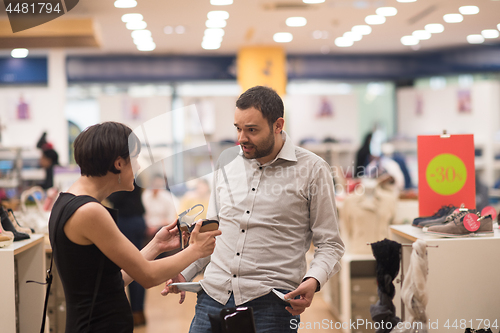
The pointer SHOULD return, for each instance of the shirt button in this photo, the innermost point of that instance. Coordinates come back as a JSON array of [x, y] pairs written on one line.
[[242, 230], [260, 168], [253, 189], [238, 254], [248, 212], [234, 275], [229, 292]]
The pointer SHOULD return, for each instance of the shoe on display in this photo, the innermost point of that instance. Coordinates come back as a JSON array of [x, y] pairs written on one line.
[[8, 226], [16, 224], [438, 218], [464, 225], [5, 240]]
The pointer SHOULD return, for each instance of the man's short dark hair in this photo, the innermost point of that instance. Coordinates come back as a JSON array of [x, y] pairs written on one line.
[[98, 147], [264, 99]]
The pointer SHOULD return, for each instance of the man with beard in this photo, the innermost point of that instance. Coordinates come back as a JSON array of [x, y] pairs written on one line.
[[272, 199]]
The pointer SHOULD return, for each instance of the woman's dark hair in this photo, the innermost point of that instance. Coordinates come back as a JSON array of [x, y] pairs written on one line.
[[98, 147], [52, 155], [264, 99]]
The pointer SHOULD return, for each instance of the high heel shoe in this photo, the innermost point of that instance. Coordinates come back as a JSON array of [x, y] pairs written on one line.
[[6, 237], [8, 226], [16, 224]]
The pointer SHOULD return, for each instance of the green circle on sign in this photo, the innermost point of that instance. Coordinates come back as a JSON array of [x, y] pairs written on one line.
[[446, 174]]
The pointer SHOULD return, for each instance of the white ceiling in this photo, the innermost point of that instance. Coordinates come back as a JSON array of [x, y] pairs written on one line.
[[253, 22]]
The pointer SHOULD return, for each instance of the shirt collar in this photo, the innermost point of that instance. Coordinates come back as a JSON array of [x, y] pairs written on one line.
[[287, 152]]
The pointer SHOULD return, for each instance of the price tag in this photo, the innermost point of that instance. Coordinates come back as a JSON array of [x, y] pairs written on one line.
[[471, 222], [488, 210]]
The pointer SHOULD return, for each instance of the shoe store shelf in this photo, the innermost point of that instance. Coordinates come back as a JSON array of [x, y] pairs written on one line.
[[462, 281], [21, 307]]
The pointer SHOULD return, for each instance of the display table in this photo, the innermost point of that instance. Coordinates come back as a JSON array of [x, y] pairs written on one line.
[[353, 290], [463, 283], [19, 262]]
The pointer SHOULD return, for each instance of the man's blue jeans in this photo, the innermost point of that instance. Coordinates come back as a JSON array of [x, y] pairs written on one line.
[[269, 313]]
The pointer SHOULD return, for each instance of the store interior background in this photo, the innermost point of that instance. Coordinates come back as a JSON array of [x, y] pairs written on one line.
[[378, 83]]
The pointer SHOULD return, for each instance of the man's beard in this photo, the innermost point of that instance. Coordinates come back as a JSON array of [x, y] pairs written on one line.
[[265, 149]]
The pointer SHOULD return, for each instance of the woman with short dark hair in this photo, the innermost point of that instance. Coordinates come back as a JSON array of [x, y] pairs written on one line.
[[94, 259]]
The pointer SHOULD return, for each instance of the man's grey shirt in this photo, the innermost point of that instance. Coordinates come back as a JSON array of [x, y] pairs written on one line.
[[268, 216]]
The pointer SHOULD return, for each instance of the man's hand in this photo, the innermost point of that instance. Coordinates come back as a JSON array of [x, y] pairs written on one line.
[[306, 291], [173, 289]]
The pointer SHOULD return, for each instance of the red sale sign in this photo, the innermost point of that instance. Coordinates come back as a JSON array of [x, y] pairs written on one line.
[[446, 172]]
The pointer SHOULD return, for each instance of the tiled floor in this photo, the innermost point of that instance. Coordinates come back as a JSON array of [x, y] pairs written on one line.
[[165, 315]]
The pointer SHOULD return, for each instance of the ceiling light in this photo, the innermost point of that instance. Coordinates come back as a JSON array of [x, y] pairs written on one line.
[[210, 45], [137, 34], [212, 39], [355, 37], [375, 19], [214, 32], [313, 1], [131, 17], [168, 30], [19, 53], [490, 33], [146, 47], [283, 37], [143, 40], [409, 40], [180, 29], [125, 3], [296, 21], [498, 26], [215, 23], [362, 29], [421, 34], [218, 15], [475, 39], [136, 25], [406, 0], [453, 18], [386, 11], [221, 2], [434, 28], [468, 10], [343, 42]]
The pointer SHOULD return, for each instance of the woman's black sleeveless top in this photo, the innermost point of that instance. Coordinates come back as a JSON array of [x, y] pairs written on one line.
[[78, 267]]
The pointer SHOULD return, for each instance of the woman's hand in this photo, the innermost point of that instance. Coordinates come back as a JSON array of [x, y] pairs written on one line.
[[203, 242], [167, 238]]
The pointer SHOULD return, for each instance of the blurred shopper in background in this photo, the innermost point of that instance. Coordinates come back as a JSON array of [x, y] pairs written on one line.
[[132, 224], [160, 205]]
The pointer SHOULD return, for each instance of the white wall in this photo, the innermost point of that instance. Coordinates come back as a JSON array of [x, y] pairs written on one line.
[[118, 108], [224, 107], [46, 105], [440, 111], [302, 121]]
